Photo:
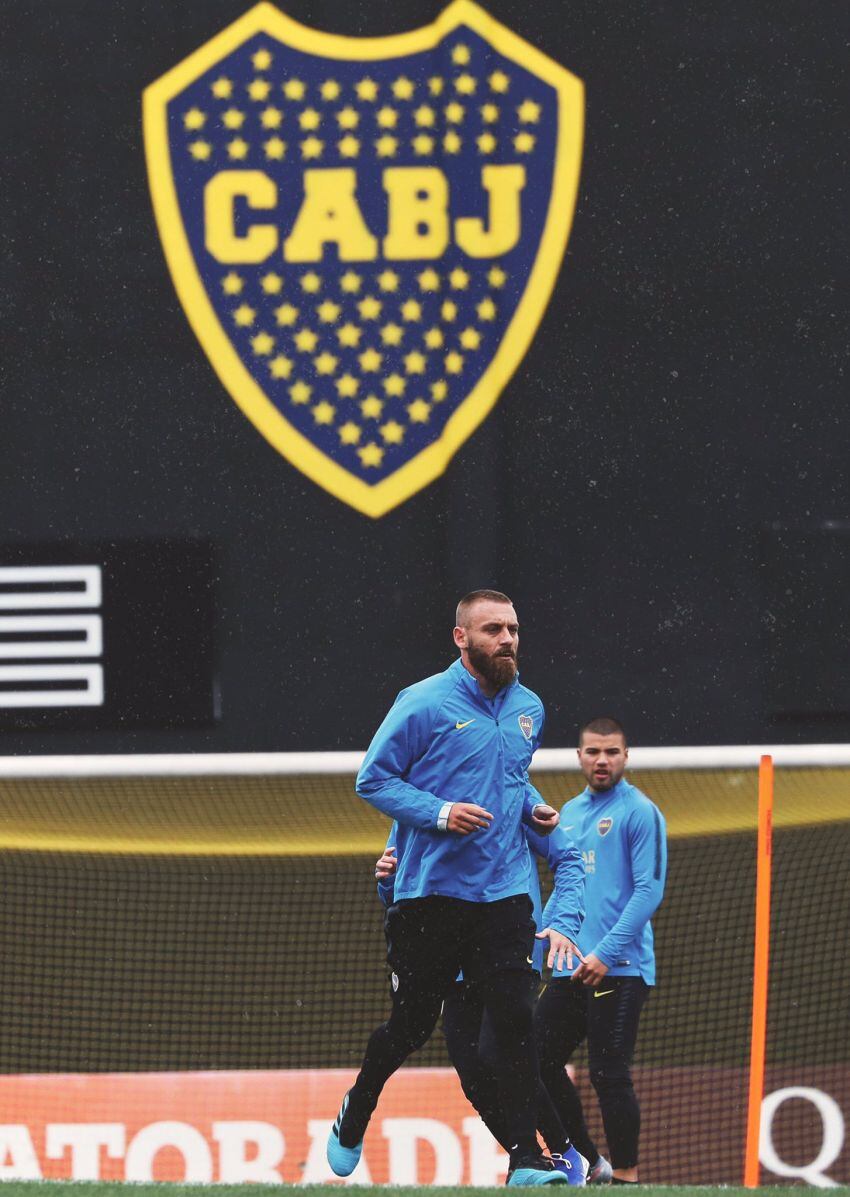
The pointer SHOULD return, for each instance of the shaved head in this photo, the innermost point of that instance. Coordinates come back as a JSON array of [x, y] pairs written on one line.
[[466, 604], [602, 725]]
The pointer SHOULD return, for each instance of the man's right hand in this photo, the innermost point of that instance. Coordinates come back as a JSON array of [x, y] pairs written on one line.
[[465, 817], [544, 819]]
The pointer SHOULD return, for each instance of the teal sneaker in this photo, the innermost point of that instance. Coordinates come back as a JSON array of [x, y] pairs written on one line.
[[535, 1170], [343, 1160]]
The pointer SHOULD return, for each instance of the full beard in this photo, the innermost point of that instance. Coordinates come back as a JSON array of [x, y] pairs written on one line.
[[498, 670]]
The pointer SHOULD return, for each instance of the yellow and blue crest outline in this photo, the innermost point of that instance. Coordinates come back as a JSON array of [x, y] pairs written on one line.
[[377, 499]]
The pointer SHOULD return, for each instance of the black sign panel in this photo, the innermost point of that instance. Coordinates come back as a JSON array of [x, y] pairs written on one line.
[[106, 635], [682, 391]]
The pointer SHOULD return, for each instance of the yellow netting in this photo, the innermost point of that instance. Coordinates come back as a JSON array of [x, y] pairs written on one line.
[[232, 922], [308, 814]]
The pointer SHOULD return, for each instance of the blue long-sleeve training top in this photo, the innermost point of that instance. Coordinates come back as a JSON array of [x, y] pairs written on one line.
[[565, 909], [623, 841], [445, 741]]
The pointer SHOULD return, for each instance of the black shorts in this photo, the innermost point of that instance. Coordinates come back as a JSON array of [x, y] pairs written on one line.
[[430, 940]]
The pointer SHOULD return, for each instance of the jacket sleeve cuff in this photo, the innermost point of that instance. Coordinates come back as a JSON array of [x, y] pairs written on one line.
[[528, 805], [566, 926], [602, 953], [443, 816]]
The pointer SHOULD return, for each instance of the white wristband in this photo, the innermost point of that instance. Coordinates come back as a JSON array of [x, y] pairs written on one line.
[[443, 816]]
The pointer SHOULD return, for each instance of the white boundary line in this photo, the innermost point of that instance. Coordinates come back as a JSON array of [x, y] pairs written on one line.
[[271, 764]]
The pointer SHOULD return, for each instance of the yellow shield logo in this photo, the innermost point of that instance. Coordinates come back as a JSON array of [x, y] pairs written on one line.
[[364, 233]]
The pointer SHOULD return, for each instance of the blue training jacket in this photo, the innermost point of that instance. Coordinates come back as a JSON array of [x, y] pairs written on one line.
[[565, 908], [444, 741], [623, 842]]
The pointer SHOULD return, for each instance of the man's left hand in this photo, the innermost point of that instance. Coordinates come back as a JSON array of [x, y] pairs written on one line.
[[560, 949], [544, 819], [386, 865]]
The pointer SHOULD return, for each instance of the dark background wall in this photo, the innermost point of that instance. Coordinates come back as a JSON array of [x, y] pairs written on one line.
[[662, 487]]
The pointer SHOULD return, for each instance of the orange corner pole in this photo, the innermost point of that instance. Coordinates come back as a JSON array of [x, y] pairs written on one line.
[[758, 1035]]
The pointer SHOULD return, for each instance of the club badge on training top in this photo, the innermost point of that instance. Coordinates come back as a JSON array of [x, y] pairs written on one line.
[[364, 233], [604, 825], [526, 725]]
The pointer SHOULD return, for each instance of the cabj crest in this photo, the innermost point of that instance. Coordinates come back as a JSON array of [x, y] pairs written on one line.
[[364, 233]]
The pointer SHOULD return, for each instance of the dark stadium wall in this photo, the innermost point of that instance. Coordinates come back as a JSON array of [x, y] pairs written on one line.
[[662, 486]]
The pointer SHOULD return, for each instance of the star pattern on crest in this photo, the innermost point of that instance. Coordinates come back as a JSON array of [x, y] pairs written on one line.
[[368, 353]]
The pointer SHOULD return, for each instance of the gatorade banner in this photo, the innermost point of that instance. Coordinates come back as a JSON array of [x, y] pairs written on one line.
[[272, 1127], [268, 1127]]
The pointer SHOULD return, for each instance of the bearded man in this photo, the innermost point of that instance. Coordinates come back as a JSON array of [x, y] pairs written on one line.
[[450, 765]]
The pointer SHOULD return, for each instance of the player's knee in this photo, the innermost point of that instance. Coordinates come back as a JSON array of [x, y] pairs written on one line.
[[611, 1076], [548, 1045], [488, 1055], [512, 1012], [410, 1035], [510, 1040], [551, 1069], [418, 1037], [412, 1024], [476, 1089]]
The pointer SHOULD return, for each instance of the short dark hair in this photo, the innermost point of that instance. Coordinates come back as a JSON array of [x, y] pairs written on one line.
[[602, 725], [478, 596]]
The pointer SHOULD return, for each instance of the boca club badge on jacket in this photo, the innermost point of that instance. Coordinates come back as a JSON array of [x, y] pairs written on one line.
[[364, 232]]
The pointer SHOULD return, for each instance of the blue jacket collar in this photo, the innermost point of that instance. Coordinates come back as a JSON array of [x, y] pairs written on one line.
[[619, 791]]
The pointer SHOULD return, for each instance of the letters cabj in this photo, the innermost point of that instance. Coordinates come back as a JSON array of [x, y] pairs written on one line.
[[364, 233]]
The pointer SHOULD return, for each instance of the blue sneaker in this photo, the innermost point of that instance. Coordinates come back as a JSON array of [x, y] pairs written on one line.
[[572, 1164], [535, 1170], [343, 1160]]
